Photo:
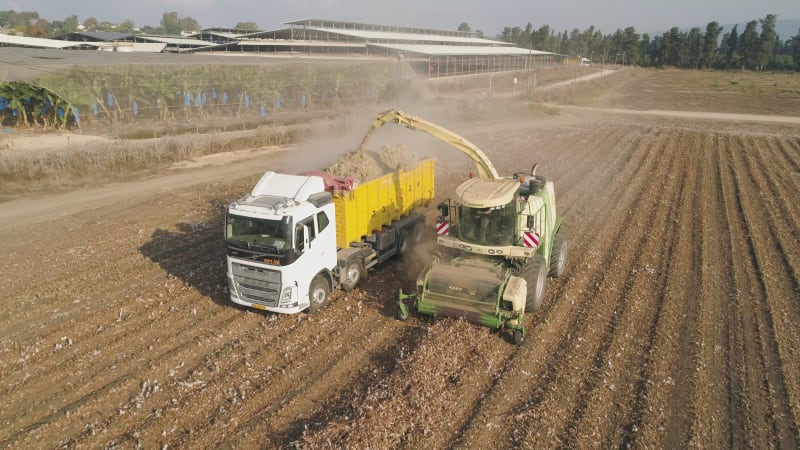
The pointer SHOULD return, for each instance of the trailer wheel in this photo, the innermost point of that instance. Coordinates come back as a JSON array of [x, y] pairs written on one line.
[[558, 259], [318, 293], [353, 272], [518, 337], [535, 274]]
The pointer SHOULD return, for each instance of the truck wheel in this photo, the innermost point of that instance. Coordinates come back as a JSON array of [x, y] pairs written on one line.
[[558, 259], [535, 275], [353, 272], [402, 242], [318, 293], [416, 233], [518, 337]]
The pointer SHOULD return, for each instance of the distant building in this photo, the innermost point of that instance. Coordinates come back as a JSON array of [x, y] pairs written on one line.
[[431, 53]]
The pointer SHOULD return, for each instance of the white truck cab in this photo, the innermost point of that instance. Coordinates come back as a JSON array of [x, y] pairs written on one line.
[[278, 240]]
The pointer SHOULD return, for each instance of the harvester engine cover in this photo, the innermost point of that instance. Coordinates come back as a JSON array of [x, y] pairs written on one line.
[[468, 283], [468, 287]]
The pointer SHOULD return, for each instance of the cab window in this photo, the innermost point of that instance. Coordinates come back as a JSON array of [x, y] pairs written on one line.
[[322, 220]]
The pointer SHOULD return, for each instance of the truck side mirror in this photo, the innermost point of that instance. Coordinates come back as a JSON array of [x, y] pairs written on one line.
[[444, 208]]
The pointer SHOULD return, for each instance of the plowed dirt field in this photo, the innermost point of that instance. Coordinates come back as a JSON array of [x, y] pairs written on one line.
[[675, 324]]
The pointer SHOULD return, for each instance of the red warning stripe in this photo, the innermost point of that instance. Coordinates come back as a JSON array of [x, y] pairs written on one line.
[[443, 228], [530, 239]]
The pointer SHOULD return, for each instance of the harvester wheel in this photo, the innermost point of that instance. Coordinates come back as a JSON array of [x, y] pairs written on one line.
[[535, 275], [318, 293], [518, 337], [353, 272], [401, 315], [558, 259]]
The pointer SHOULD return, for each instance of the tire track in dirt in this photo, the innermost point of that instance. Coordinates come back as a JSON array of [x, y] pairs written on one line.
[[771, 279], [662, 413], [625, 342], [747, 334], [649, 300], [789, 148], [714, 400]]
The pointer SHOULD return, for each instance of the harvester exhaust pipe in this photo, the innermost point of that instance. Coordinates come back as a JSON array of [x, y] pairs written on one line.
[[533, 169]]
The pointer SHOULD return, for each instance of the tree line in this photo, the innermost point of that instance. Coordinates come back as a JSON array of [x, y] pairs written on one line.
[[756, 47], [29, 23]]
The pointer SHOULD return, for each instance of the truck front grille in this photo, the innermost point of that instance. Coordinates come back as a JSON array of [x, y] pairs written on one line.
[[256, 285]]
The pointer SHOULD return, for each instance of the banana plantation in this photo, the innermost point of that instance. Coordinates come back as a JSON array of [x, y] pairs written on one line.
[[119, 94]]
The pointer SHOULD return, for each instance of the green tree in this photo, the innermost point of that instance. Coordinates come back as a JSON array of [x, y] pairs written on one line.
[[126, 26], [170, 23], [694, 48], [527, 36], [645, 58], [673, 43], [796, 50], [18, 20], [710, 40], [630, 46], [766, 40], [574, 43], [464, 26], [246, 26], [71, 24], [540, 38], [189, 24], [731, 46], [750, 46]]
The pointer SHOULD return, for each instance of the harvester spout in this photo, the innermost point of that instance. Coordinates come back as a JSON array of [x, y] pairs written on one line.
[[485, 167]]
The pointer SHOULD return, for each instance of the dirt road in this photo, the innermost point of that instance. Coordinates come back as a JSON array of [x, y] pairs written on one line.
[[673, 326]]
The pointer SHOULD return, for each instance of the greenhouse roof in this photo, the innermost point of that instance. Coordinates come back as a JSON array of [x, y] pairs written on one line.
[[22, 41], [176, 41], [461, 50], [96, 36], [370, 35]]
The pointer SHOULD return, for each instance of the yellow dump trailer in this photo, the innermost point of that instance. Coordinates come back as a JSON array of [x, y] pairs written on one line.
[[377, 203]]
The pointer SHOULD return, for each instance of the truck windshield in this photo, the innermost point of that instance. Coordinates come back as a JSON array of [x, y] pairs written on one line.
[[487, 226], [247, 233]]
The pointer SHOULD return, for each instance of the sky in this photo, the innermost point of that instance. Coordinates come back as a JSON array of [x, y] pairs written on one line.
[[489, 16]]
